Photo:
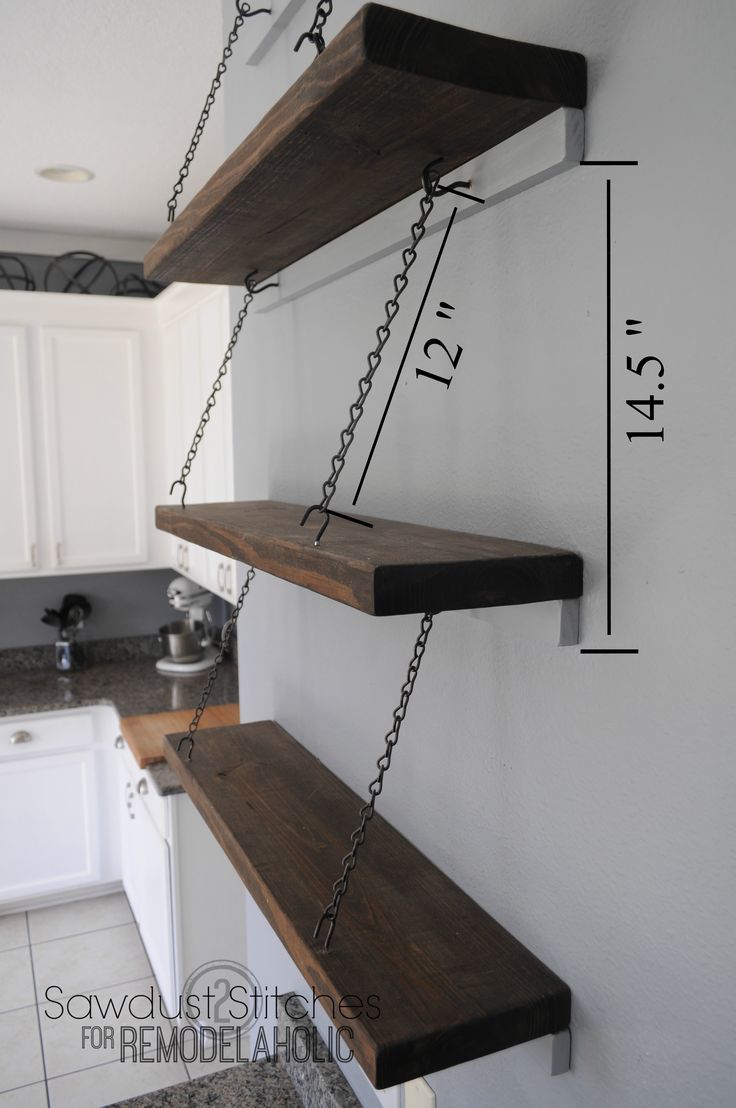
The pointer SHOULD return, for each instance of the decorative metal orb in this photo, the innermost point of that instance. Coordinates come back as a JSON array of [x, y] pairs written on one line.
[[15, 274], [135, 285], [82, 272]]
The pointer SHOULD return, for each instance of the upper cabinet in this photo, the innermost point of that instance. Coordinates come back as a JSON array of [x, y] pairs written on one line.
[[18, 534], [91, 393], [100, 397], [195, 336], [82, 406]]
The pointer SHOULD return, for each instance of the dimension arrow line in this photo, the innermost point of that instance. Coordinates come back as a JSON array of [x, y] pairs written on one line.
[[405, 355], [608, 408]]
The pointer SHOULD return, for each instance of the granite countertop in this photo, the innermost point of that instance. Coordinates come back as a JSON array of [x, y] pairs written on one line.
[[251, 1085], [287, 1081], [133, 687]]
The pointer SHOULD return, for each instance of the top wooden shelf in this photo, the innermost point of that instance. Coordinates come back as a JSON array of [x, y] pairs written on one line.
[[389, 569], [351, 136]]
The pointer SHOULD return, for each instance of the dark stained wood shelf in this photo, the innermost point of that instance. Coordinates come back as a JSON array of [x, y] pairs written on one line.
[[451, 983], [350, 138], [391, 569]]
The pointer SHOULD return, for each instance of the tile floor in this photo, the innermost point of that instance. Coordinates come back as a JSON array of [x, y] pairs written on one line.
[[88, 946]]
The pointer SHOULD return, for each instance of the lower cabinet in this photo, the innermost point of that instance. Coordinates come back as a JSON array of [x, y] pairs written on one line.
[[187, 900], [77, 815], [147, 868], [60, 834]]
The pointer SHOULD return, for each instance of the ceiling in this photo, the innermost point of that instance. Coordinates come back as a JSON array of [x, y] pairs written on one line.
[[114, 86]]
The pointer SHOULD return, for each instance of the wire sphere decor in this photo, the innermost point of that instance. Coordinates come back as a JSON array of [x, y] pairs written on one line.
[[80, 271], [134, 285], [15, 274]]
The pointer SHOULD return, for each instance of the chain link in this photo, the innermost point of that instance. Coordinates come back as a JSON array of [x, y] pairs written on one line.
[[227, 633], [367, 812], [314, 34], [383, 333], [243, 12]]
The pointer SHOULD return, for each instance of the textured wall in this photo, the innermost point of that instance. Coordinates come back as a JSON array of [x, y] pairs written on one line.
[[585, 802]]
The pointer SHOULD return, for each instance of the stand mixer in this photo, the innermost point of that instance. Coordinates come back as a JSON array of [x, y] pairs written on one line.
[[187, 642]]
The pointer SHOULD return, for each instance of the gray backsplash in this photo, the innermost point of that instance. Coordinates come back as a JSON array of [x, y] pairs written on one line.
[[123, 605]]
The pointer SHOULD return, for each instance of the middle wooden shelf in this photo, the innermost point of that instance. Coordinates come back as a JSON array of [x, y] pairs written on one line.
[[389, 568]]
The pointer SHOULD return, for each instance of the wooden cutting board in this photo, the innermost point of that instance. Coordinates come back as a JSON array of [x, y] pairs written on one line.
[[145, 734]]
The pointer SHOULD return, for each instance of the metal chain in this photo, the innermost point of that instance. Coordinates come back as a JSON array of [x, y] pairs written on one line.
[[383, 333], [225, 637], [250, 292], [243, 12], [367, 812], [432, 189], [314, 34]]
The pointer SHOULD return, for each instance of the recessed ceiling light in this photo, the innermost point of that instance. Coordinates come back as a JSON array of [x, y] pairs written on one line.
[[69, 174]]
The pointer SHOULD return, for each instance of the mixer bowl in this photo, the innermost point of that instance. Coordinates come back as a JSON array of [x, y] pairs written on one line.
[[182, 640]]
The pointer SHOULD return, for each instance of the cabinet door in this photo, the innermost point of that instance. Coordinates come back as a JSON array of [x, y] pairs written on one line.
[[18, 498], [147, 882], [49, 824], [93, 419]]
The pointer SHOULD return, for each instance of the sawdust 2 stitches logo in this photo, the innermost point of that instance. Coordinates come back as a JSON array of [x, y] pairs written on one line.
[[220, 1005]]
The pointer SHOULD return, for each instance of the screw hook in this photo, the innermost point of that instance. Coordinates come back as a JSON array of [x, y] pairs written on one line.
[[315, 39], [432, 186], [332, 917], [182, 482], [186, 739], [323, 528], [250, 283]]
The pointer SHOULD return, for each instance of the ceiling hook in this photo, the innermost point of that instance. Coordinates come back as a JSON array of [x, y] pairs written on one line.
[[432, 186], [250, 283]]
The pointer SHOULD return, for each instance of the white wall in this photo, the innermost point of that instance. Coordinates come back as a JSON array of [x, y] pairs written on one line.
[[585, 802]]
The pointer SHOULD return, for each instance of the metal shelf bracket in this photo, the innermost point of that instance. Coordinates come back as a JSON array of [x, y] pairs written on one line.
[[569, 622], [561, 1052]]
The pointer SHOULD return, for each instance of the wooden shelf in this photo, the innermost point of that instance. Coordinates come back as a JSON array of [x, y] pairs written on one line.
[[390, 93], [391, 569], [451, 983]]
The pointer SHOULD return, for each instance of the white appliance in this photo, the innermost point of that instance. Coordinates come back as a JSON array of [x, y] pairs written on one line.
[[188, 642]]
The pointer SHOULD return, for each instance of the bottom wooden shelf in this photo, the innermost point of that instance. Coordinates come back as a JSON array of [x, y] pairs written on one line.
[[449, 982]]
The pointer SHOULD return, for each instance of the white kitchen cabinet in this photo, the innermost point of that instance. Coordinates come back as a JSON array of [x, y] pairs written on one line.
[[18, 534], [60, 836], [93, 429], [82, 411], [146, 869], [196, 334], [208, 895], [49, 804], [186, 897]]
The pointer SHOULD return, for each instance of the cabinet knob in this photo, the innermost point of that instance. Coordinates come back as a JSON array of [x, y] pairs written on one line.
[[21, 737], [119, 742], [142, 787]]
